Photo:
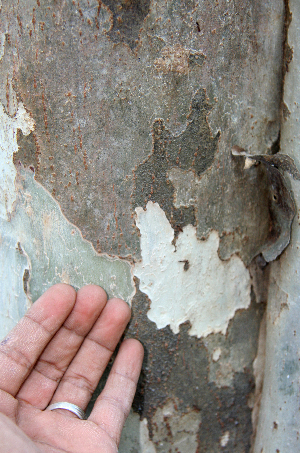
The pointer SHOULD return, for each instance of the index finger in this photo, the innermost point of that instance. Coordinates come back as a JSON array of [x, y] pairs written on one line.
[[21, 348]]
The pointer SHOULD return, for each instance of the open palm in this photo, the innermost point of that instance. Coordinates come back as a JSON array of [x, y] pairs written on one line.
[[58, 352]]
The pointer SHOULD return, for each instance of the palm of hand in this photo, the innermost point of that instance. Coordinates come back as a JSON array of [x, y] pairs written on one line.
[[58, 352]]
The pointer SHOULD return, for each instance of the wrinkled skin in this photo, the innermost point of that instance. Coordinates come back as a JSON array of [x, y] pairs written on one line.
[[58, 352]]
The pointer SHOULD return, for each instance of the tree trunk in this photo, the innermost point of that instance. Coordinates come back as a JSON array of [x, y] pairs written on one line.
[[140, 148]]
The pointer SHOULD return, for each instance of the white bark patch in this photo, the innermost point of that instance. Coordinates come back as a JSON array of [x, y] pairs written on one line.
[[216, 354], [135, 436], [188, 281], [2, 42], [13, 300], [174, 431], [225, 439], [146, 444], [9, 146]]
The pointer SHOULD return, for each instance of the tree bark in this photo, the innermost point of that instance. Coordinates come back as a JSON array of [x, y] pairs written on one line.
[[118, 120]]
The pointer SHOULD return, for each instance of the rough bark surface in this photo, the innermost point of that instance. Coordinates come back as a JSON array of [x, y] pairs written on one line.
[[130, 102]]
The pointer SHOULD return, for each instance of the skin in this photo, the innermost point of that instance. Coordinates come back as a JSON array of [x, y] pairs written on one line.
[[58, 352]]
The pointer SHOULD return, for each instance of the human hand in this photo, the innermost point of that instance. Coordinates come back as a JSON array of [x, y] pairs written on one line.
[[58, 352]]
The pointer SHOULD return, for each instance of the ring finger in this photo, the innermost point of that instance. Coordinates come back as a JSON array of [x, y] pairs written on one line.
[[82, 376]]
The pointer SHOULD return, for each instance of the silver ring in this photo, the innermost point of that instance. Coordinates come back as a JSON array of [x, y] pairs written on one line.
[[68, 407]]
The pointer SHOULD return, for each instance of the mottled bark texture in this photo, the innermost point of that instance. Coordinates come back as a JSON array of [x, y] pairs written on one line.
[[133, 102]]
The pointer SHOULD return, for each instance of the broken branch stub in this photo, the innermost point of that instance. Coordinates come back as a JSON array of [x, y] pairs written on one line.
[[281, 201]]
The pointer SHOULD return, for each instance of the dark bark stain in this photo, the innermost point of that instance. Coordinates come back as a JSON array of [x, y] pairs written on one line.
[[28, 156], [186, 265], [128, 17], [287, 50], [194, 149]]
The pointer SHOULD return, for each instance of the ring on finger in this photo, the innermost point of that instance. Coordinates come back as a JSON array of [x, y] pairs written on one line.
[[68, 407]]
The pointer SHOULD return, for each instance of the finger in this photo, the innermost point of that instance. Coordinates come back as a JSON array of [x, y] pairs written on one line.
[[24, 344], [44, 378], [113, 405], [83, 375]]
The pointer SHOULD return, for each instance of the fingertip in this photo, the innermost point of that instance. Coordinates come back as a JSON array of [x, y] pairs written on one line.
[[53, 306], [130, 359], [135, 346], [91, 299], [59, 291], [119, 310], [67, 292], [92, 292], [136, 351]]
